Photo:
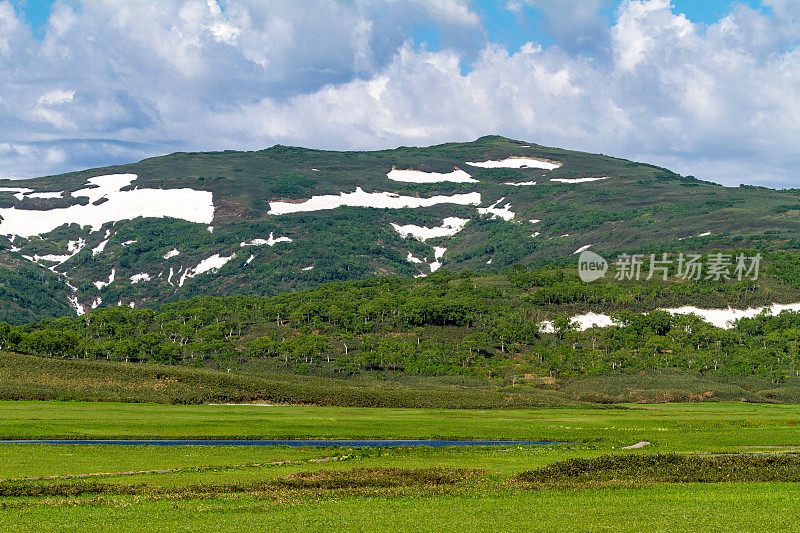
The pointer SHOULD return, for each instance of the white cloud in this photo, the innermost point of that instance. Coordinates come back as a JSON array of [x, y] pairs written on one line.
[[57, 96], [115, 81]]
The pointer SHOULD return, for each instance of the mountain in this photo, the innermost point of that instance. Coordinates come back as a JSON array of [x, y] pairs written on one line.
[[285, 218]]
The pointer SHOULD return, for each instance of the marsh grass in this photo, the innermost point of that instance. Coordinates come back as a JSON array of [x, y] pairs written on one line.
[[26, 377], [643, 469], [375, 481]]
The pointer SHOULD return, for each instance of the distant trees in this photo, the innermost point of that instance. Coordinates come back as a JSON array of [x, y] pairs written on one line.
[[445, 324]]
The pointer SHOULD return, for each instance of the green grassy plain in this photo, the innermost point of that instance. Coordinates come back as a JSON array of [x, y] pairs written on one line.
[[691, 508], [676, 427], [233, 488]]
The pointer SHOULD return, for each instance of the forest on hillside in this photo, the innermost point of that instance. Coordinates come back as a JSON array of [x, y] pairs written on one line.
[[485, 325]]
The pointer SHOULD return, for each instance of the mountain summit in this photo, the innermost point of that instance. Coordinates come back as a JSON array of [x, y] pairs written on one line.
[[285, 218]]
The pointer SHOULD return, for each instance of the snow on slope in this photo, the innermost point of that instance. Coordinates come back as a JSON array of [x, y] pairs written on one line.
[[418, 176], [377, 200], [504, 212], [721, 318], [215, 262], [578, 180], [725, 318], [19, 192], [449, 227], [73, 247], [411, 259], [582, 249], [100, 248], [186, 204], [517, 162], [102, 284], [272, 241], [438, 253], [45, 195]]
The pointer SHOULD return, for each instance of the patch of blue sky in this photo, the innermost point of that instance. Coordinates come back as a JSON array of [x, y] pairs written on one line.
[[506, 27], [36, 13], [513, 28]]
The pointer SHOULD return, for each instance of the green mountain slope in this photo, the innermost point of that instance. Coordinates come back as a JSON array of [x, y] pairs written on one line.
[[134, 262], [447, 331]]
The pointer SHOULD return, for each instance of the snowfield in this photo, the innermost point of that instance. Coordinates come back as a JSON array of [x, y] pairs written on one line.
[[19, 192], [411, 259], [215, 262], [438, 253], [418, 176], [725, 318], [578, 180], [449, 227], [45, 195], [102, 284], [589, 320], [272, 241], [721, 318], [520, 183], [73, 247], [186, 204], [102, 246], [582, 249], [375, 200], [517, 162], [504, 212]]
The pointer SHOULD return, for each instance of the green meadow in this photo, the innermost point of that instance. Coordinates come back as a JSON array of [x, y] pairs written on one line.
[[680, 482]]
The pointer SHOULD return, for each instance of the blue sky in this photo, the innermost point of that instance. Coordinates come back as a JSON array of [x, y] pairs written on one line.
[[706, 88], [501, 25]]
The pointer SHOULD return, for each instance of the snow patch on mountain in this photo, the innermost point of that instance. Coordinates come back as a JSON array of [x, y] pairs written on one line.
[[725, 318], [375, 200], [102, 284], [582, 249], [517, 162], [185, 204], [450, 226], [418, 176], [438, 253], [502, 212], [272, 241], [19, 192], [411, 259], [215, 262], [578, 180], [721, 318], [100, 248]]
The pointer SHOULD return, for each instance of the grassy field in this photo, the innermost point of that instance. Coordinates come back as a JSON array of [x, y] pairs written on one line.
[[28, 377], [669, 427], [725, 507], [414, 489]]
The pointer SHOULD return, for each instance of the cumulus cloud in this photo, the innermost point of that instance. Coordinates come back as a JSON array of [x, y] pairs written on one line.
[[116, 81]]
